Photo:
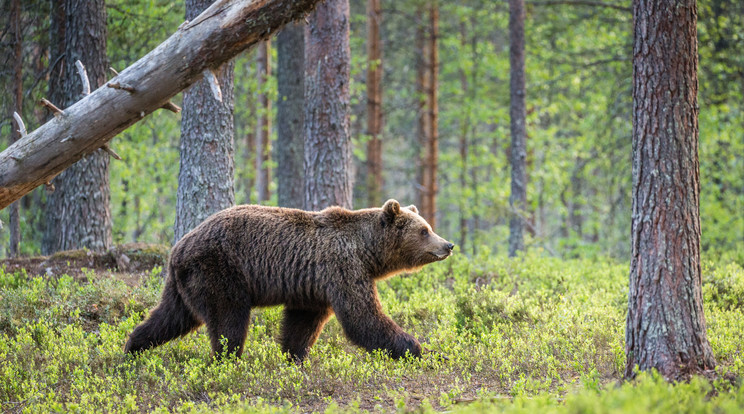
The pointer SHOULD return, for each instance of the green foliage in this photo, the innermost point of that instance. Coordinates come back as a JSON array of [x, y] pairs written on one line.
[[527, 335]]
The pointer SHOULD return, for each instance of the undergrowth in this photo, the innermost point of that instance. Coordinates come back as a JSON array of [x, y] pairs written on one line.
[[526, 335]]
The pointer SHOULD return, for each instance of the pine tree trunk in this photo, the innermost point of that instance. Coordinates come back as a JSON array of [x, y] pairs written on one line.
[[374, 104], [665, 325], [77, 212], [328, 175], [205, 179], [423, 127], [14, 221], [518, 115], [432, 150], [263, 128], [290, 76]]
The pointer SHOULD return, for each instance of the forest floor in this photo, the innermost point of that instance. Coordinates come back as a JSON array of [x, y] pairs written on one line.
[[533, 334]]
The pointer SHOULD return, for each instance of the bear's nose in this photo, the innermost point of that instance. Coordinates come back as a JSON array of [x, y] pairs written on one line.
[[450, 246]]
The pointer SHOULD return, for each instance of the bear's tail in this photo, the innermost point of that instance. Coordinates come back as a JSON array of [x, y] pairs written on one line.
[[169, 320]]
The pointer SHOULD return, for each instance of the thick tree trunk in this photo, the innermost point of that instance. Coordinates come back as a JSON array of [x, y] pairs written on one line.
[[328, 175], [205, 178], [14, 221], [77, 212], [518, 115], [423, 127], [263, 126], [665, 325], [227, 28], [432, 149], [290, 172], [374, 104]]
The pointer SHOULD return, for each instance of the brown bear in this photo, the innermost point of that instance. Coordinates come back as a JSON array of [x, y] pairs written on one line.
[[314, 263]]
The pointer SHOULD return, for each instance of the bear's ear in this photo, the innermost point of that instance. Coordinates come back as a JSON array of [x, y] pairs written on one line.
[[413, 208], [391, 209]]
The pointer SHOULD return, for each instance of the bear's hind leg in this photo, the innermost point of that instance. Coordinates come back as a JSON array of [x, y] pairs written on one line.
[[300, 330], [233, 327]]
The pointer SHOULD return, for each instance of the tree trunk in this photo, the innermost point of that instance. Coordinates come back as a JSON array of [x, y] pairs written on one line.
[[290, 143], [374, 104], [423, 127], [263, 126], [518, 115], [463, 143], [77, 212], [665, 325], [328, 175], [432, 150], [205, 178], [227, 28], [14, 221]]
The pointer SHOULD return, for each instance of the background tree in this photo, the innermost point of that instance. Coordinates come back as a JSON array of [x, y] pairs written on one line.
[[16, 34], [517, 116], [328, 176], [205, 179], [665, 326], [374, 104], [263, 128], [290, 145], [77, 211]]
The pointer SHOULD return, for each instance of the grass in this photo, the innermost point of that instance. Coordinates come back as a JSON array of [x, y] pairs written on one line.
[[531, 335]]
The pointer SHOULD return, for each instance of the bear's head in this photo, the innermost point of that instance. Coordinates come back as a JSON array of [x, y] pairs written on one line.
[[409, 242]]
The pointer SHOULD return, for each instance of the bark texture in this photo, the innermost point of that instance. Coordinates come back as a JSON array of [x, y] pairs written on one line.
[[263, 124], [518, 115], [665, 325], [290, 115], [205, 178], [14, 221], [374, 104], [227, 28], [328, 175], [77, 212]]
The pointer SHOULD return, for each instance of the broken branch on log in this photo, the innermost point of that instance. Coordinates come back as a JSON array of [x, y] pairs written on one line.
[[52, 107], [171, 107], [121, 85], [83, 77], [221, 32], [21, 125], [111, 152]]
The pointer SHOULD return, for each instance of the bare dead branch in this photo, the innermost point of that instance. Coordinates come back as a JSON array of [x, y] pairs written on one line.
[[171, 107], [21, 125], [211, 78], [111, 152], [52, 107], [83, 77], [121, 85], [114, 70]]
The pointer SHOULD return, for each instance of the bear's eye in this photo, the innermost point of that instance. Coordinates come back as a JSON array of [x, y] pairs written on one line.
[[424, 231]]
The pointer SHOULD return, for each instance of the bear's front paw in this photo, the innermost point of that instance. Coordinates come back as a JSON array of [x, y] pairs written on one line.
[[406, 343]]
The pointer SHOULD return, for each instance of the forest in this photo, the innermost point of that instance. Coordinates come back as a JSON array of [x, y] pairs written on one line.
[[562, 145]]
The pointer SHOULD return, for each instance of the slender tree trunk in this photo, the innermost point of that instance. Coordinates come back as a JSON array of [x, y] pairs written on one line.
[[328, 175], [432, 150], [290, 172], [263, 127], [665, 325], [423, 128], [463, 143], [77, 212], [17, 106], [205, 179], [374, 104], [518, 115]]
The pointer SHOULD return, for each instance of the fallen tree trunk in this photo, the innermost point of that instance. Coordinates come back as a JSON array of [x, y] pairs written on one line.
[[217, 35]]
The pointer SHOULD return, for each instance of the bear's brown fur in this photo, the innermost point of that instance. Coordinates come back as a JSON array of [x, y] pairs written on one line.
[[314, 263]]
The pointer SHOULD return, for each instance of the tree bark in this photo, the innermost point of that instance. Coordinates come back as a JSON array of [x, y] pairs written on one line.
[[423, 127], [263, 126], [328, 175], [665, 324], [77, 211], [14, 219], [205, 178], [518, 115], [290, 172], [374, 104], [225, 29], [432, 149]]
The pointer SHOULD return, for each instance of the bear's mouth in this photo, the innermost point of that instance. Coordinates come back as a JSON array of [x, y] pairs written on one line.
[[440, 256]]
